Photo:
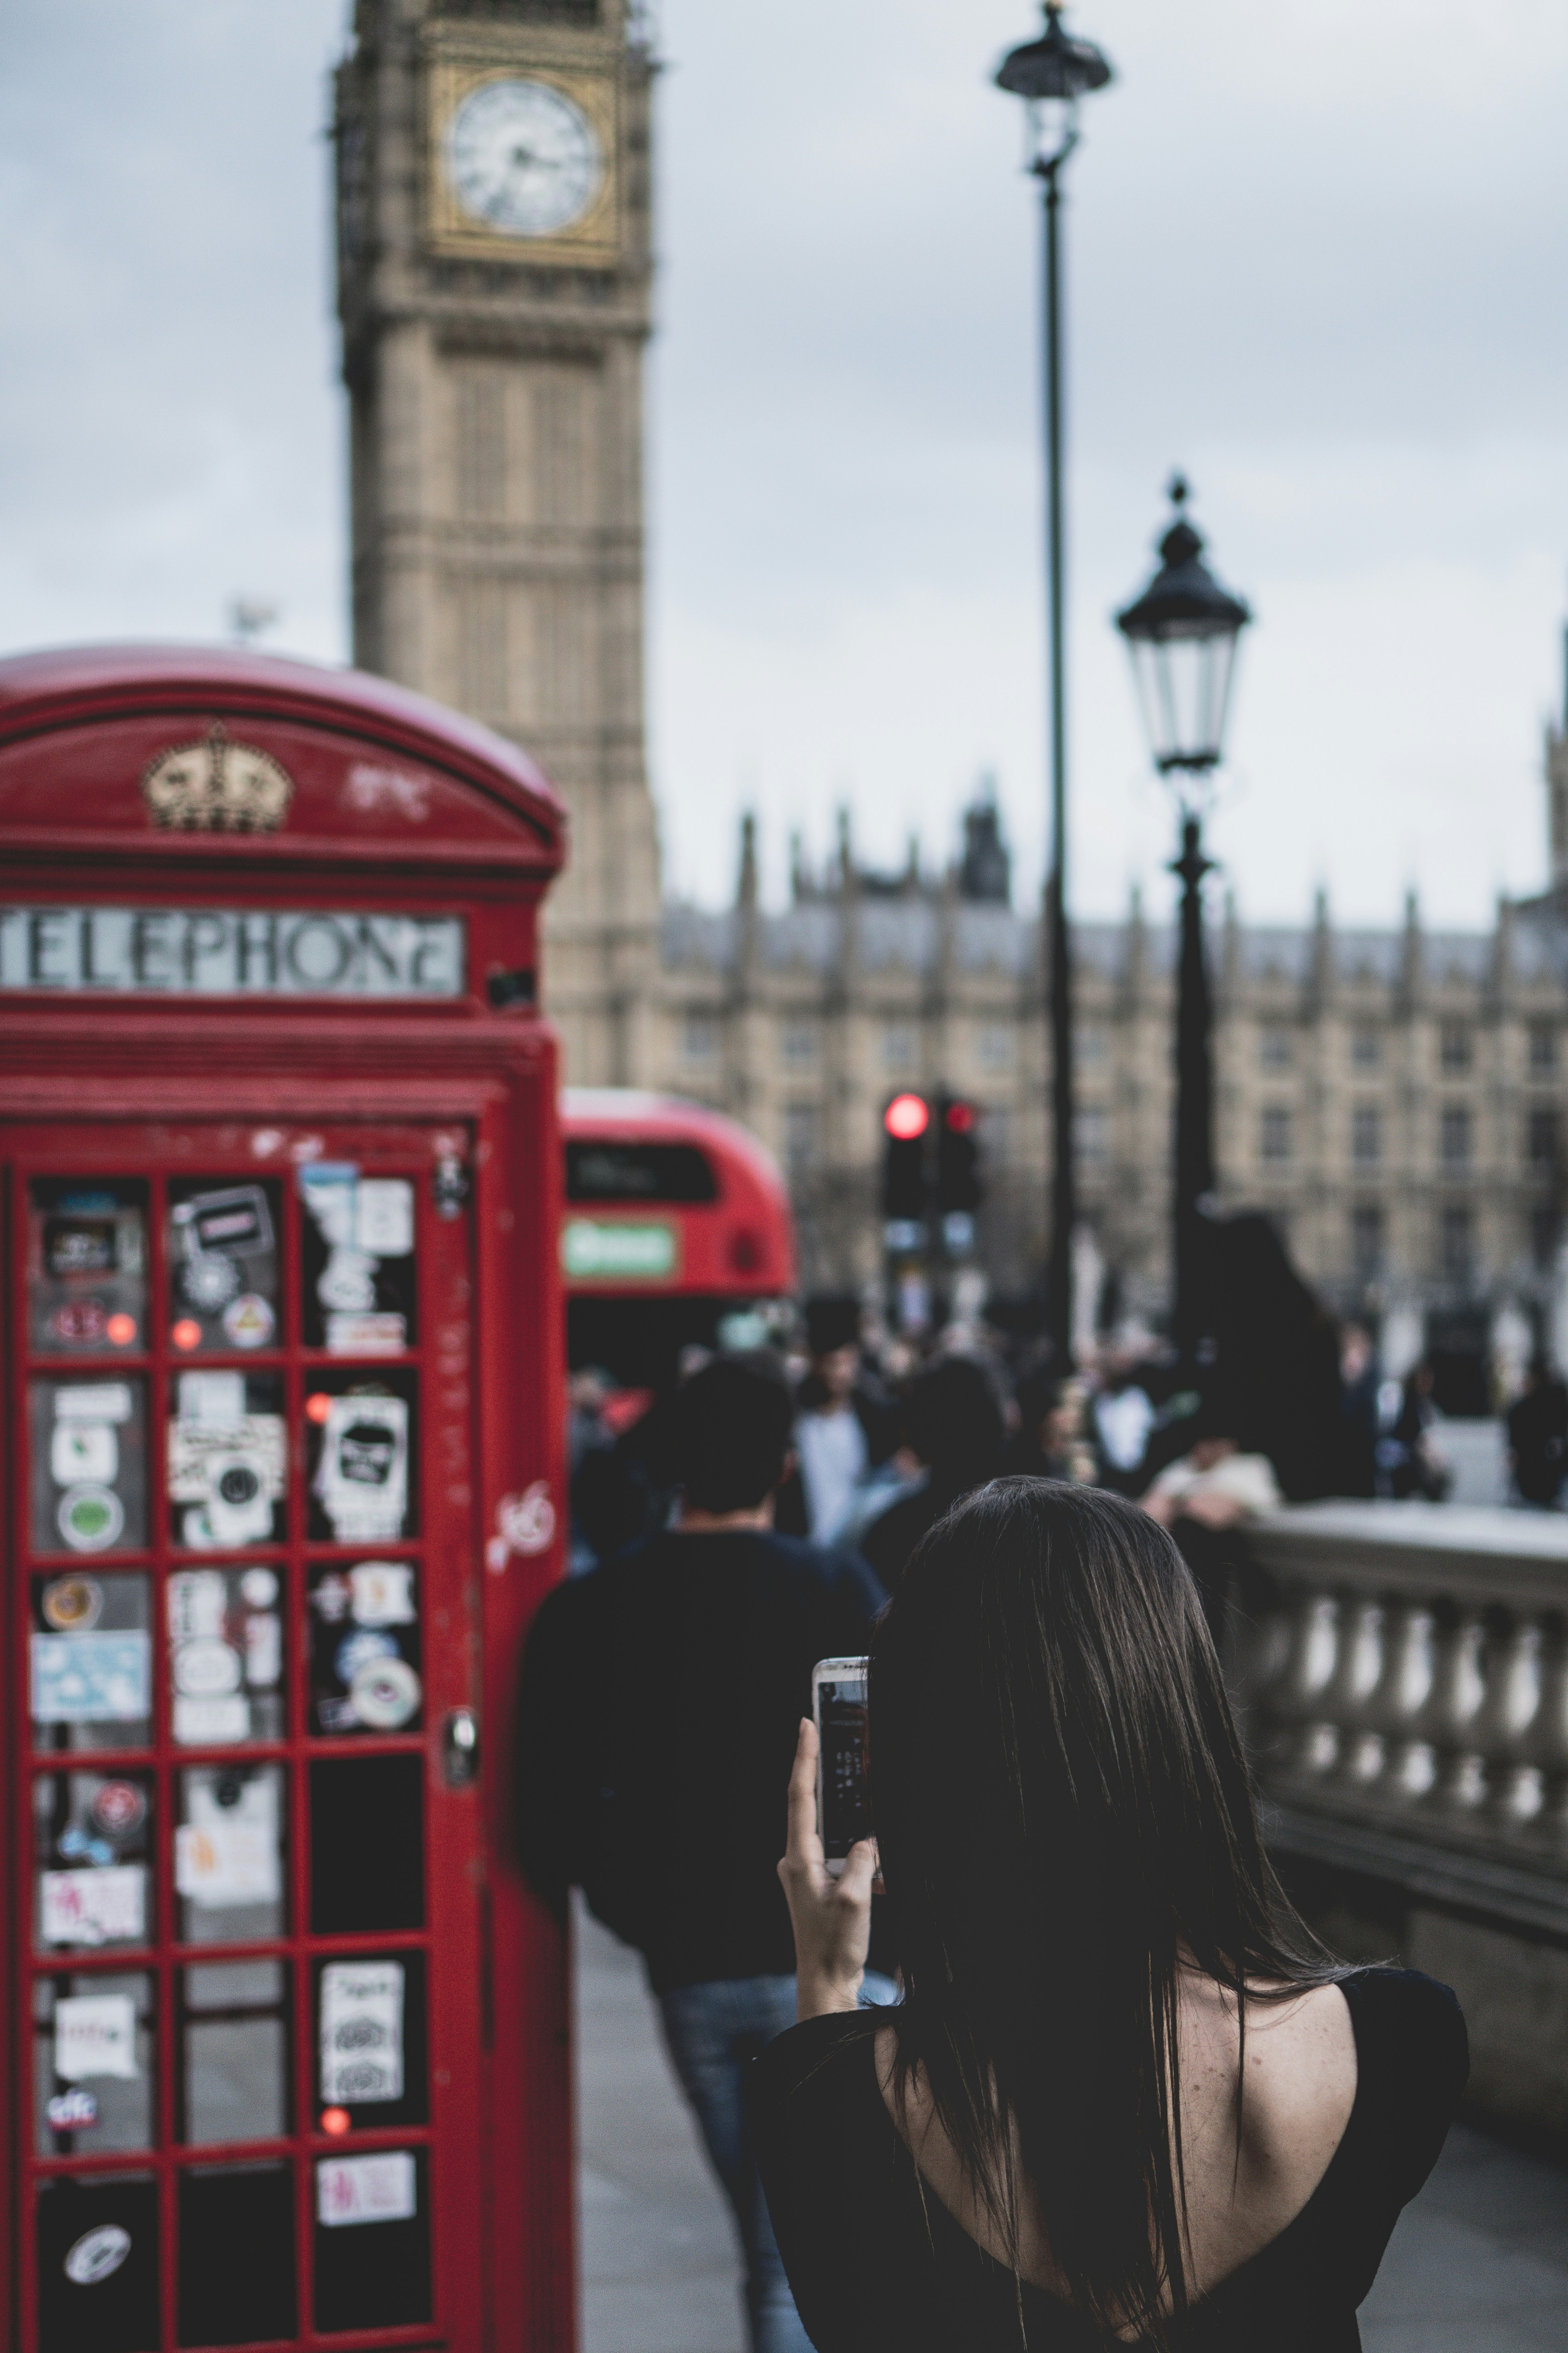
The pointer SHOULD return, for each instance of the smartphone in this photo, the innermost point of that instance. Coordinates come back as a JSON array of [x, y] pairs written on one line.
[[842, 1793]]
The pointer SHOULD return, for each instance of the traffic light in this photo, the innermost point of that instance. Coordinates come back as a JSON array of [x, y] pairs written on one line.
[[958, 1185], [957, 1157], [906, 1125]]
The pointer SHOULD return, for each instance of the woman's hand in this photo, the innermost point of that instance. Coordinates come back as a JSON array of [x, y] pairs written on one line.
[[832, 1916]]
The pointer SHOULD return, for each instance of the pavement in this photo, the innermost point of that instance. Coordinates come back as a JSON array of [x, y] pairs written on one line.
[[1478, 2265]]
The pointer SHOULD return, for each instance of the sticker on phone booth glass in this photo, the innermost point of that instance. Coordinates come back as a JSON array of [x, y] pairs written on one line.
[[361, 1478], [248, 1321], [72, 1604], [376, 2189], [107, 1906], [118, 1808], [95, 2034], [223, 1267], [72, 2112], [97, 2254], [86, 1265], [227, 1854], [94, 1678], [362, 2032], [380, 1593], [359, 1248], [385, 1694], [227, 1463]]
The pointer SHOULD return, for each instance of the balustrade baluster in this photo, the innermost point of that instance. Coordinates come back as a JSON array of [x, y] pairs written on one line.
[[1457, 1691], [1348, 1702], [1310, 1741], [1409, 1656], [1501, 1726], [1548, 1742]]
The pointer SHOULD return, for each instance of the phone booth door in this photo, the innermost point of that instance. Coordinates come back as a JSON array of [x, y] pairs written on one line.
[[244, 1546]]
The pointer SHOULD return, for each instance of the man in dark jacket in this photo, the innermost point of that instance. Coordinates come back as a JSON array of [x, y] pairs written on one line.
[[1538, 1437], [661, 1702], [952, 1420]]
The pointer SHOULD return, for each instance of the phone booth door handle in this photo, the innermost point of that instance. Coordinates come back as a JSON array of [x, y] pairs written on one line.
[[460, 1748]]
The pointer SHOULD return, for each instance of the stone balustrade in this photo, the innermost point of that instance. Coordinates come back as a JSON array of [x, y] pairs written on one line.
[[1402, 1669]]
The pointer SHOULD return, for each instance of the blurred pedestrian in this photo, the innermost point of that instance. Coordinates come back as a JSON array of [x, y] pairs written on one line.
[[1409, 1457], [1124, 1419], [1538, 1437], [1361, 1382], [1206, 1496], [846, 1426], [1214, 1482], [660, 1703], [1051, 1440], [954, 1425]]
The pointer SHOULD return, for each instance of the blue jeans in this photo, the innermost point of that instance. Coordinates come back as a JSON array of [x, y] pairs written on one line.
[[713, 2032]]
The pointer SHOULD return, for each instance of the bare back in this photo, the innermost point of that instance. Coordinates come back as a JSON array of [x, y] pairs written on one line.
[[1301, 2089]]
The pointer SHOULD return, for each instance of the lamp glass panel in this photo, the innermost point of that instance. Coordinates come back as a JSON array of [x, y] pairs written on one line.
[[1184, 688], [1051, 122]]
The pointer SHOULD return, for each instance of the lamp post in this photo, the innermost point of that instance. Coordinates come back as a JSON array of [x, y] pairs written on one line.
[[1051, 75], [1182, 634]]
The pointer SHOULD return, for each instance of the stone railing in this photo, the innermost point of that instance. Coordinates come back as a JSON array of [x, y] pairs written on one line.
[[1402, 1672]]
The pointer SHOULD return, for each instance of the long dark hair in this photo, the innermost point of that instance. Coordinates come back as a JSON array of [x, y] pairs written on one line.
[[1066, 1819]]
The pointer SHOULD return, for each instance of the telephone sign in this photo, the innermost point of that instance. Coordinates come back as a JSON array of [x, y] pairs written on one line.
[[286, 2059]]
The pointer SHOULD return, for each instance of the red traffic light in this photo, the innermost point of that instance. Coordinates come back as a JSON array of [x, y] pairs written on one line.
[[961, 1117], [907, 1117]]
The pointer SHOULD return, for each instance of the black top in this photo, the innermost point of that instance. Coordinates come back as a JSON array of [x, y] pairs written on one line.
[[871, 2275], [661, 1702]]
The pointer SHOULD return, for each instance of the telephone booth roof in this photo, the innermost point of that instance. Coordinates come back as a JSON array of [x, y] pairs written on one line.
[[452, 793]]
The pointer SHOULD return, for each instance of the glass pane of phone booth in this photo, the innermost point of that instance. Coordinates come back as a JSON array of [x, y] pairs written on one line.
[[229, 1555]]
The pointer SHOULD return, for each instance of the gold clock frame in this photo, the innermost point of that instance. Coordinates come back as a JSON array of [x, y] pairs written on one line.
[[593, 242]]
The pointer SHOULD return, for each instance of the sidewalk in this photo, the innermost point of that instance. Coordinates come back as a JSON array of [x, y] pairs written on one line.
[[1478, 2264]]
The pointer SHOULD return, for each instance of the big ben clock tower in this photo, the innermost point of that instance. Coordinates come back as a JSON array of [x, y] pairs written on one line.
[[494, 287]]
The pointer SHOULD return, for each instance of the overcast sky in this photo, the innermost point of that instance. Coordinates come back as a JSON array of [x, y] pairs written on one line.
[[1317, 258]]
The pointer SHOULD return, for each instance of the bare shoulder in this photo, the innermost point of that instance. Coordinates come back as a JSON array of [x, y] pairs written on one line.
[[1301, 2079]]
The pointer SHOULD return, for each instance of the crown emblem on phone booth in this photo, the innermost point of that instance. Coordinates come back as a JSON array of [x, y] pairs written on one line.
[[216, 787]]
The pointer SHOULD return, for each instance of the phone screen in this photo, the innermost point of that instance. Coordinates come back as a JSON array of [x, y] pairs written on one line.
[[841, 1725]]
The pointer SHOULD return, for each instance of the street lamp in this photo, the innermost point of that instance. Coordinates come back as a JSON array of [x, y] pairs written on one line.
[[1182, 633], [1051, 75]]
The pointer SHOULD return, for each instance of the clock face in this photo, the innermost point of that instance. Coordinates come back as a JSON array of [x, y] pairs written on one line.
[[523, 158]]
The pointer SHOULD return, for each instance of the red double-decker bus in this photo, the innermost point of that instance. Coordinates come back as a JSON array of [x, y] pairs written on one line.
[[676, 1232]]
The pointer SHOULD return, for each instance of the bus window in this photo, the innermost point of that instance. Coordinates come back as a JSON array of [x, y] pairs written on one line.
[[602, 1171]]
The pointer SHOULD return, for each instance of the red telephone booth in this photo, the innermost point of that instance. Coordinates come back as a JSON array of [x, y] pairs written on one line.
[[286, 2055]]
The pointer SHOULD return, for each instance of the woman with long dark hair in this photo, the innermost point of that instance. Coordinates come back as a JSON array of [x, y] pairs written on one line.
[[1127, 2097]]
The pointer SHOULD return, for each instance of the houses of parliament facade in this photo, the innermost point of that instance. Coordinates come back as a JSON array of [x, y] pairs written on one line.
[[1394, 1099]]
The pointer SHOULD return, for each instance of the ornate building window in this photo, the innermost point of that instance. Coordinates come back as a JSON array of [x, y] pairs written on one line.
[[1088, 1049], [1274, 1139], [1456, 1047], [1542, 1050], [1540, 1140], [800, 1131], [1366, 1135], [798, 1045], [996, 1047], [1091, 1134], [1453, 1135], [1457, 1242], [1276, 1048], [898, 1046], [1545, 1233], [1366, 1049], [1366, 1241], [700, 1037]]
